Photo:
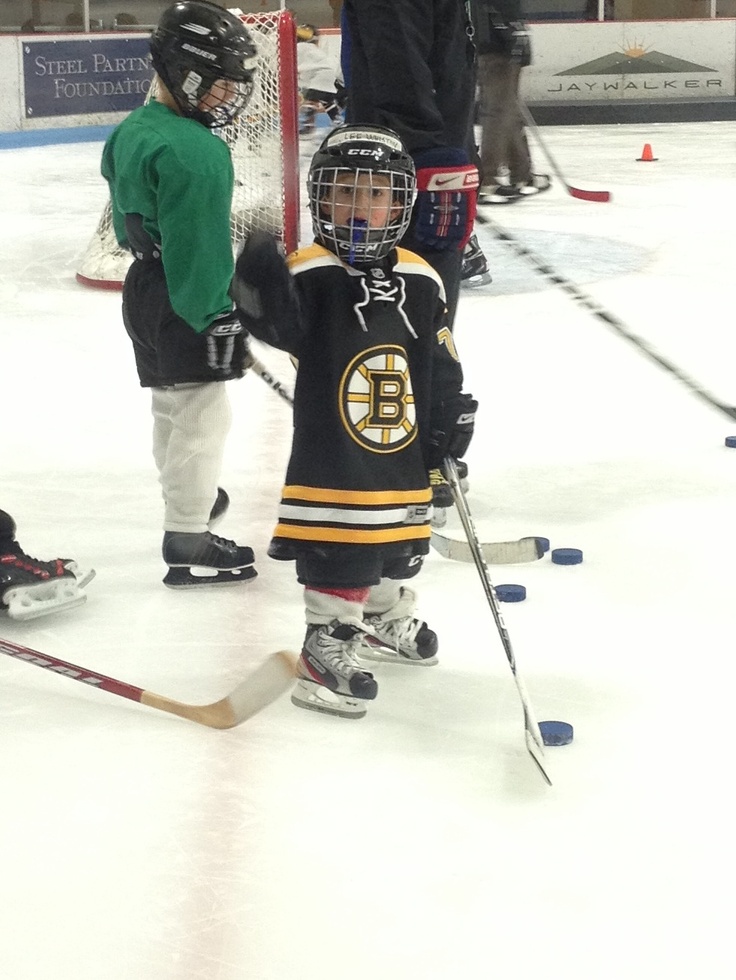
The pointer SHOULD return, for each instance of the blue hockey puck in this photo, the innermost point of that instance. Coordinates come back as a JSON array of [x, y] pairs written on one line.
[[731, 442], [510, 593], [566, 556], [543, 544], [556, 732]]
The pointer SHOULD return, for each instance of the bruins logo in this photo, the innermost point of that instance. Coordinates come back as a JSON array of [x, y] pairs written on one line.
[[377, 401]]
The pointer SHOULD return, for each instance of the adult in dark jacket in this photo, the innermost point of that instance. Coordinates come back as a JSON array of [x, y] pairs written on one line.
[[412, 69], [504, 48]]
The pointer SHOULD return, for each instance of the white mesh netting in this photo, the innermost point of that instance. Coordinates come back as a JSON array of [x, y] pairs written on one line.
[[264, 147]]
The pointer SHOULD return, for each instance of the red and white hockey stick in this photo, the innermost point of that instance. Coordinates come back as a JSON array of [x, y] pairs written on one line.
[[601, 196], [266, 683]]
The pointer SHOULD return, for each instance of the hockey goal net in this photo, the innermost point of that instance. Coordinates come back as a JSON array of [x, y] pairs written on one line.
[[264, 143]]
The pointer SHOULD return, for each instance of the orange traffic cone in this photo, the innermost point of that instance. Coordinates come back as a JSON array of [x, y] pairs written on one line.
[[646, 154]]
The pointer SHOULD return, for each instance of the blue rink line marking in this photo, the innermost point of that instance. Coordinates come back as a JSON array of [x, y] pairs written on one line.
[[45, 137]]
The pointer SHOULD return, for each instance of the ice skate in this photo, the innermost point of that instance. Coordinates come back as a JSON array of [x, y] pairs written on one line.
[[535, 185], [475, 267], [441, 492], [396, 637], [196, 560], [30, 588], [219, 508], [329, 676], [462, 472]]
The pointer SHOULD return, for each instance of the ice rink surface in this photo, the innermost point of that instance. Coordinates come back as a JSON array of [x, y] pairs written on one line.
[[419, 842]]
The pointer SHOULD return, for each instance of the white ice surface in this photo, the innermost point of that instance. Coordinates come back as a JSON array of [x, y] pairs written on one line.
[[419, 842]]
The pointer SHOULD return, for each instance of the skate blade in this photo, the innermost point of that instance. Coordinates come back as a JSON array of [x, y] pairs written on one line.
[[34, 601], [482, 279], [83, 575], [387, 655], [315, 697], [200, 577]]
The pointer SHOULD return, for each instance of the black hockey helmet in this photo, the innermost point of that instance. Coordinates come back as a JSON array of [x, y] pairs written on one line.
[[361, 150], [196, 44]]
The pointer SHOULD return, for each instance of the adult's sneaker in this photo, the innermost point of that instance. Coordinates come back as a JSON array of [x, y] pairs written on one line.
[[330, 678], [196, 560], [498, 194], [535, 185]]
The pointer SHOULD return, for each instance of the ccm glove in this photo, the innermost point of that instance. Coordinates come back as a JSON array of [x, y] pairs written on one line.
[[226, 344], [455, 438], [447, 185]]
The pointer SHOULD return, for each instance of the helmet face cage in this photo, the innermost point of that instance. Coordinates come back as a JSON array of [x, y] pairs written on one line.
[[206, 59], [361, 188]]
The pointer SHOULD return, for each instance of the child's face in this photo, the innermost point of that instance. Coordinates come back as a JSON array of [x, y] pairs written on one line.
[[362, 197], [222, 92]]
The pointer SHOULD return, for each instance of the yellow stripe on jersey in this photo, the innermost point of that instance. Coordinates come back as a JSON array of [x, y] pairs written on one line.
[[339, 535]]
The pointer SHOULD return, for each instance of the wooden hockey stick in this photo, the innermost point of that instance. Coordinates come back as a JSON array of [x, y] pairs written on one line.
[[600, 196], [587, 302], [266, 683], [532, 734], [494, 552]]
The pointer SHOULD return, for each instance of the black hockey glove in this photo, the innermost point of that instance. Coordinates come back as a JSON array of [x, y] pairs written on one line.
[[262, 287], [447, 184], [226, 343], [454, 439]]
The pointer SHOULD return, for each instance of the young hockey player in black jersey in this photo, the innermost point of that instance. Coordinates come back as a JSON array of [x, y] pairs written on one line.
[[31, 588], [411, 67], [171, 184], [378, 402]]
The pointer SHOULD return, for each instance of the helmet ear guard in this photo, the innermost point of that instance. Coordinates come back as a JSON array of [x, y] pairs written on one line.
[[365, 152], [197, 44]]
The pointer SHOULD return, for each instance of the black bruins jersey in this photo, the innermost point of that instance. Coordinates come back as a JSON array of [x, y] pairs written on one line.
[[377, 369]]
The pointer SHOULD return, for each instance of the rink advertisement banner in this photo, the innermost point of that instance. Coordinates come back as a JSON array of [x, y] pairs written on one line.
[[84, 75], [627, 61]]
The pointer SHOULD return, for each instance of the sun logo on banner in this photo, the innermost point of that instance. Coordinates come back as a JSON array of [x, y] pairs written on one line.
[[377, 401]]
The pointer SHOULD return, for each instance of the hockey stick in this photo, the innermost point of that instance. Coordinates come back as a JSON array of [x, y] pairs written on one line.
[[266, 683], [592, 306], [495, 553], [600, 196], [532, 734], [252, 363]]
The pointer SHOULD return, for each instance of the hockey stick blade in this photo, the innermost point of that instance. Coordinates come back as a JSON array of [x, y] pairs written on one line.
[[494, 552], [267, 682], [602, 197], [532, 734]]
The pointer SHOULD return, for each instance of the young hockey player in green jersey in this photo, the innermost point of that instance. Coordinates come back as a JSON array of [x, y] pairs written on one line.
[[171, 184], [378, 402]]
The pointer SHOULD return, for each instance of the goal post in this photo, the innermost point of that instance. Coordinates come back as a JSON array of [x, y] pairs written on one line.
[[264, 143]]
